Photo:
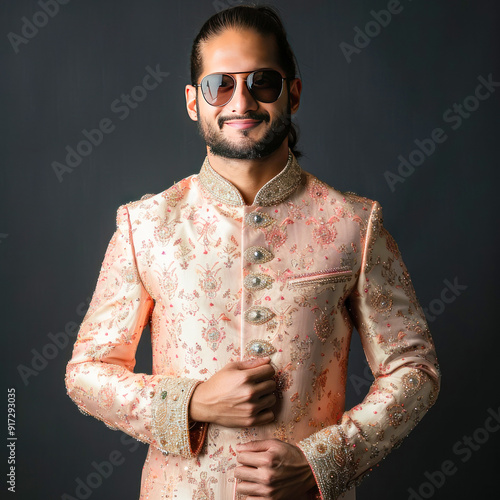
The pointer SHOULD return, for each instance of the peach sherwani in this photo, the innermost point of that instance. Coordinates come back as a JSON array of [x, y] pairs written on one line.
[[217, 280]]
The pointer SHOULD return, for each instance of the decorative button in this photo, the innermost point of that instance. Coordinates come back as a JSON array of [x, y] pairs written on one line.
[[258, 315], [259, 348], [258, 255], [257, 281], [258, 219]]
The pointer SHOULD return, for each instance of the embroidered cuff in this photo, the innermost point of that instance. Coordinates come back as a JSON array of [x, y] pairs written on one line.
[[332, 462], [169, 416]]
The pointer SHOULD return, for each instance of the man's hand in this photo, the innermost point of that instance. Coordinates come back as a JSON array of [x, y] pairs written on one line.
[[272, 469], [238, 395]]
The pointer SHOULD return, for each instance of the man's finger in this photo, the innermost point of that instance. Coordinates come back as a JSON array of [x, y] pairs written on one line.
[[253, 459], [256, 491], [257, 445], [264, 388], [265, 403], [244, 473], [264, 417], [261, 373], [251, 363]]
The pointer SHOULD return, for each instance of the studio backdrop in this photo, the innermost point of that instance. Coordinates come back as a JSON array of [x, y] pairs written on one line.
[[400, 104]]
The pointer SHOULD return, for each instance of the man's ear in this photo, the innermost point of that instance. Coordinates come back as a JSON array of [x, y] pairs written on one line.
[[191, 102], [295, 90]]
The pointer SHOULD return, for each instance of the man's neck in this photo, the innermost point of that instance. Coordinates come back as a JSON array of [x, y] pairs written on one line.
[[248, 176]]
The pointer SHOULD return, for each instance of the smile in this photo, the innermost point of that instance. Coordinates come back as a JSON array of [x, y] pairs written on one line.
[[243, 124]]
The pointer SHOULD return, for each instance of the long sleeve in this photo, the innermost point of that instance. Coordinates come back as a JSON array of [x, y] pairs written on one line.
[[100, 377], [401, 355]]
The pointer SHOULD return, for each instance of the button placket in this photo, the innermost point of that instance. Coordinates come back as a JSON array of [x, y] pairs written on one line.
[[257, 315]]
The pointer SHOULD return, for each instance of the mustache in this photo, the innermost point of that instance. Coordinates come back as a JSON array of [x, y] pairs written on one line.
[[249, 116]]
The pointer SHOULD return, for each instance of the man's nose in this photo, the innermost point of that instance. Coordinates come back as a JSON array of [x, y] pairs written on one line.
[[242, 100]]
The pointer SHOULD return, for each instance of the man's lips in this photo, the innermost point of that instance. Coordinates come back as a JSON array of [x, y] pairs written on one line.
[[241, 124]]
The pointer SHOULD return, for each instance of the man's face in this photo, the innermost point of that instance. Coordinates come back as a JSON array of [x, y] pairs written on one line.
[[244, 128]]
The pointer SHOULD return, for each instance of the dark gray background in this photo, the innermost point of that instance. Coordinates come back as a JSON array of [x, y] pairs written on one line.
[[355, 118]]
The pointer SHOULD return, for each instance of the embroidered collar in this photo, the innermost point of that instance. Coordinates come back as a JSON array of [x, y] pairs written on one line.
[[278, 189]]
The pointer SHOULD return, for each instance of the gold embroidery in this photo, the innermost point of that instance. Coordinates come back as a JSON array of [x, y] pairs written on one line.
[[397, 415], [328, 453], [334, 275], [412, 382], [169, 415], [278, 189], [381, 300], [258, 255], [258, 219]]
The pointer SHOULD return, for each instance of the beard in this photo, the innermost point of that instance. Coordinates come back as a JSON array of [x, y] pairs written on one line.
[[248, 149]]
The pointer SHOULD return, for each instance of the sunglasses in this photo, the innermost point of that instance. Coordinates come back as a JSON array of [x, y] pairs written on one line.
[[264, 85]]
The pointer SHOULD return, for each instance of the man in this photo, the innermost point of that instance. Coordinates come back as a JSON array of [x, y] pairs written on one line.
[[252, 275]]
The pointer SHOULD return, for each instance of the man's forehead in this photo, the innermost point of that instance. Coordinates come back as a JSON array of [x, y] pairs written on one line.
[[238, 50]]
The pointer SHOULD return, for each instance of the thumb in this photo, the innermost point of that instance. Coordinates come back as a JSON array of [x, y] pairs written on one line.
[[252, 363]]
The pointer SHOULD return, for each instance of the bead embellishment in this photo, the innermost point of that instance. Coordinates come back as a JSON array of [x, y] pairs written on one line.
[[169, 415], [257, 315], [259, 348], [412, 382], [334, 275], [257, 281], [278, 189], [331, 459], [258, 255], [258, 219]]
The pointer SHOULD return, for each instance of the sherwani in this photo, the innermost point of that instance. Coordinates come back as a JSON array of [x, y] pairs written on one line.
[[289, 277]]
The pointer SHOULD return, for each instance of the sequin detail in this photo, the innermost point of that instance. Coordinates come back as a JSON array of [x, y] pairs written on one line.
[[258, 255], [397, 415], [169, 411], [381, 300], [259, 348], [257, 315], [258, 219], [278, 189], [333, 464], [257, 281], [412, 382]]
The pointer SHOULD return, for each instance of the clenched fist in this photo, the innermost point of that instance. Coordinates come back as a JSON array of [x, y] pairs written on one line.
[[238, 395]]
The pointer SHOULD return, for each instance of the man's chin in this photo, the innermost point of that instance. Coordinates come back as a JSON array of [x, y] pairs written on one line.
[[233, 153], [245, 147]]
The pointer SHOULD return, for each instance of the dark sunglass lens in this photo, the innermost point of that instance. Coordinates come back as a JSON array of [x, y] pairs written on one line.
[[217, 89], [265, 85]]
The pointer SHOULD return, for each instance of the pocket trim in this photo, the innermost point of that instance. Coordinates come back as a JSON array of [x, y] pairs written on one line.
[[325, 277]]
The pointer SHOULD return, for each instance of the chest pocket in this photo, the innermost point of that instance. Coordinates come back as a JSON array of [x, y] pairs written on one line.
[[326, 278]]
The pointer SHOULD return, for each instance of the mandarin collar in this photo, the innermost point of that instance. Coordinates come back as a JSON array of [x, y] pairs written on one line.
[[278, 189]]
